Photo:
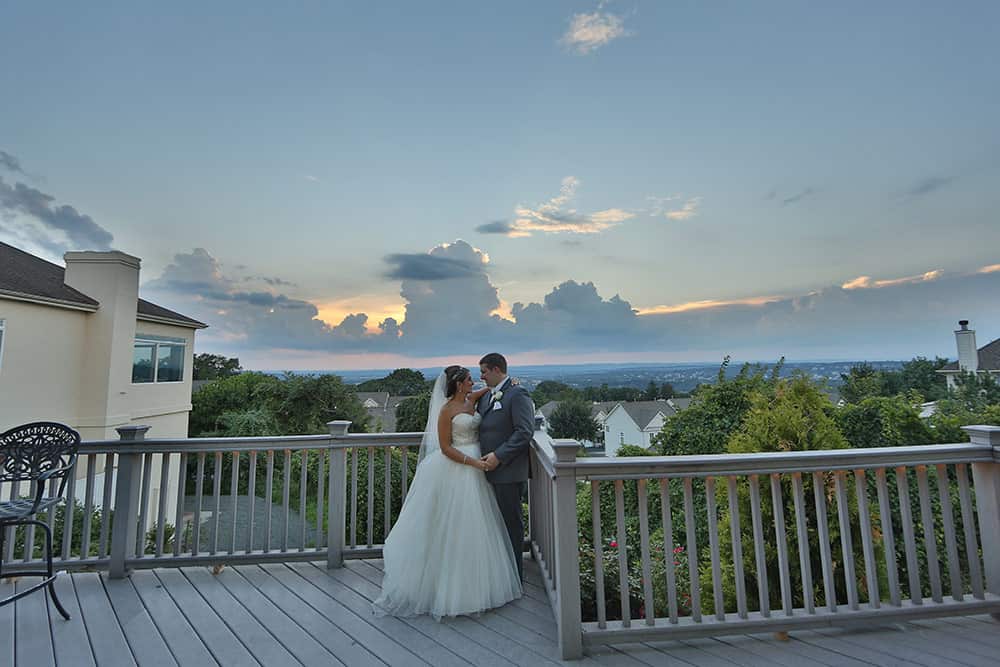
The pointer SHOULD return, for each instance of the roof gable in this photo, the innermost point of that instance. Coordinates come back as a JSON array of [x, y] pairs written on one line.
[[989, 358]]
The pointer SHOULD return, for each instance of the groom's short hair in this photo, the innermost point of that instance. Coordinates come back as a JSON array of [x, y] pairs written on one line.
[[494, 360]]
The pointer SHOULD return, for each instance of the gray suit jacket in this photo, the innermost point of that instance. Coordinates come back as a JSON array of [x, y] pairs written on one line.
[[507, 431]]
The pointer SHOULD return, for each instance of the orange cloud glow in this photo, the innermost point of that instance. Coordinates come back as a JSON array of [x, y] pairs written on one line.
[[709, 303], [866, 282], [334, 312]]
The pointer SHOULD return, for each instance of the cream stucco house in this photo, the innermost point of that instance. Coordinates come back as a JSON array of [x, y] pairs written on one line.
[[78, 346]]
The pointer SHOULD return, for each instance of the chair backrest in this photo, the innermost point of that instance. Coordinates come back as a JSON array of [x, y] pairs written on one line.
[[29, 450]]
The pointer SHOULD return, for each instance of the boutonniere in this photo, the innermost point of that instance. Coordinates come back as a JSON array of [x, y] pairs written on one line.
[[496, 397]]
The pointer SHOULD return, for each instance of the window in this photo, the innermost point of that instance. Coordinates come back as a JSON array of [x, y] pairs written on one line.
[[2, 324], [157, 359]]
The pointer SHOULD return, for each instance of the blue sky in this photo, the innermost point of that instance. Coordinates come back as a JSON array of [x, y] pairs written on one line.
[[724, 168]]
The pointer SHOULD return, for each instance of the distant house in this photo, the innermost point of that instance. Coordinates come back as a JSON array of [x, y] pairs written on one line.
[[635, 423], [971, 359], [381, 409], [599, 411]]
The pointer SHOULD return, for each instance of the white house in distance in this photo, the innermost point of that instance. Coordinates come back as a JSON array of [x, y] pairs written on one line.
[[78, 346], [635, 423], [985, 359]]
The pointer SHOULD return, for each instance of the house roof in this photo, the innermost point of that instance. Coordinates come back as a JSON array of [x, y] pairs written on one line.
[[380, 397], [23, 275], [680, 403], [989, 358], [550, 407], [643, 412]]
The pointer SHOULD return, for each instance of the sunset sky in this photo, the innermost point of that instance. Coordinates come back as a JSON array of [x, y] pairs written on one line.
[[372, 185]]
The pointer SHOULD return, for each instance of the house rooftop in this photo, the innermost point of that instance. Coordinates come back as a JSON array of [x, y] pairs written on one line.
[[643, 412], [27, 277], [989, 358]]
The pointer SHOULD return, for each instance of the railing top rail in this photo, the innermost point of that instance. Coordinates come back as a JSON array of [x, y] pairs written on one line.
[[774, 462], [246, 444]]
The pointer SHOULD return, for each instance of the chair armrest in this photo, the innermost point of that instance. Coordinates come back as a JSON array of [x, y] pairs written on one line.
[[45, 476]]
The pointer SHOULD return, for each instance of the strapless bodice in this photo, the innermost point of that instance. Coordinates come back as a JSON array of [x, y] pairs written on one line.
[[465, 429]]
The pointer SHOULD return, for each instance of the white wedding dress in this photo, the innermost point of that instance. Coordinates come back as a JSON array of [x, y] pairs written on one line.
[[448, 553]]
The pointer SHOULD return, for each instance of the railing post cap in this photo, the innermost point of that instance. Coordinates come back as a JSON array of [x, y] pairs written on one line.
[[539, 420], [566, 449], [339, 426], [132, 432], [981, 434]]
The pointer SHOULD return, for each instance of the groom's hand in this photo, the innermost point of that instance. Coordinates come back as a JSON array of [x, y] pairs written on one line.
[[491, 461]]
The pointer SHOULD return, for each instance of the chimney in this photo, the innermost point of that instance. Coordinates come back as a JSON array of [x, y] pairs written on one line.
[[968, 354], [112, 278]]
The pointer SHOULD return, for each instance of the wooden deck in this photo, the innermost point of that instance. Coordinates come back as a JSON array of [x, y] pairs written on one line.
[[302, 613]]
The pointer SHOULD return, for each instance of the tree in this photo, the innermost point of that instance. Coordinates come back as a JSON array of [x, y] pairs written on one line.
[[862, 381], [667, 390], [550, 390], [572, 420], [303, 404], [232, 394], [716, 412], [400, 382], [884, 421], [215, 366], [411, 414], [652, 392], [921, 374]]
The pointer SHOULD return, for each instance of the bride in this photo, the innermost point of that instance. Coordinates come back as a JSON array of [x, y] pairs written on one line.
[[448, 553]]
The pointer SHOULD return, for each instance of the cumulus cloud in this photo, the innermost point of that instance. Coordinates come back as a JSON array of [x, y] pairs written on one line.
[[687, 211], [195, 284], [866, 282], [557, 216], [462, 313], [31, 214], [589, 32]]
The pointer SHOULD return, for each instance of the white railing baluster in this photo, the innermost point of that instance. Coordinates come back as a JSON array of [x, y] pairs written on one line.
[[969, 529], [199, 486], [216, 501], [321, 468], [268, 500], [88, 506], [823, 537], [623, 588], [909, 539], [147, 482], [647, 578], [781, 539], [29, 532], [763, 594], [405, 451], [109, 474], [930, 539], [179, 523], [161, 503], [867, 547], [735, 534], [668, 548], [802, 536], [286, 500], [888, 539], [354, 452], [303, 489], [692, 550], [846, 543], [234, 491], [713, 548], [251, 499], [15, 488], [387, 503], [951, 543], [370, 504], [595, 510], [68, 516]]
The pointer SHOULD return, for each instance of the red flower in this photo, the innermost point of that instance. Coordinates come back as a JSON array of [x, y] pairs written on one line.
[[614, 544], [677, 550]]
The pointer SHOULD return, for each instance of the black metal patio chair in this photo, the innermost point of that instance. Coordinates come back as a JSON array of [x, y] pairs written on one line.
[[42, 453]]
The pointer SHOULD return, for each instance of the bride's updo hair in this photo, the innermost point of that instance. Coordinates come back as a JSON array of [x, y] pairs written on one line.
[[454, 375]]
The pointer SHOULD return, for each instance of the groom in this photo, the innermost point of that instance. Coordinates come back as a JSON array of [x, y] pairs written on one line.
[[505, 434]]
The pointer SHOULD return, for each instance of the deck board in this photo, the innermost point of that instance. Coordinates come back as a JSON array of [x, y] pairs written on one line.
[[302, 613]]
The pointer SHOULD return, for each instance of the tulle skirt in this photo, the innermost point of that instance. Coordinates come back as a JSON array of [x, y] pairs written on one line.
[[448, 553]]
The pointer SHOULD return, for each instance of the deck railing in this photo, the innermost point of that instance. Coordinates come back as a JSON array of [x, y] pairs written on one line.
[[671, 547], [688, 546]]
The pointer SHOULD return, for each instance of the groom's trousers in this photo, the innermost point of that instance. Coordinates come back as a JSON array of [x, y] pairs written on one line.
[[509, 501]]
